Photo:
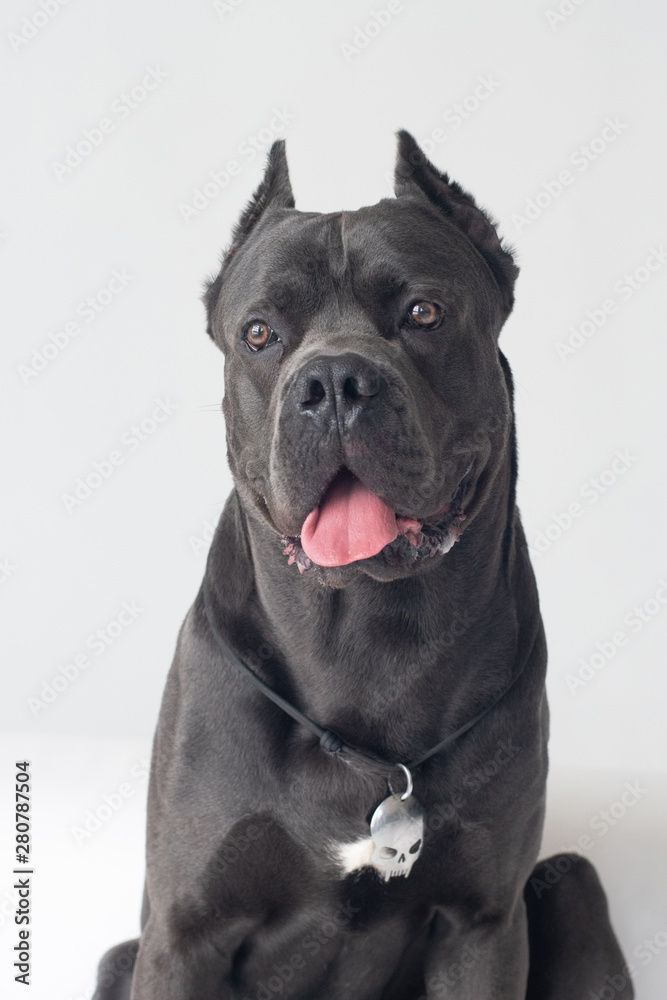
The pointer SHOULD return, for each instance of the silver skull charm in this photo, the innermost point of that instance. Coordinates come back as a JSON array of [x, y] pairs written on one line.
[[397, 829]]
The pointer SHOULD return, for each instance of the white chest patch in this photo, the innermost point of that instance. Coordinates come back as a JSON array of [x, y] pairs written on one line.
[[395, 842], [353, 855]]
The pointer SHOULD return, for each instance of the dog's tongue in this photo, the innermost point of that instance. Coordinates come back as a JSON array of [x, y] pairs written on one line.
[[350, 523]]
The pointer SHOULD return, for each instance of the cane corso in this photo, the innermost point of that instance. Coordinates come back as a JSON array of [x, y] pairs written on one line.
[[348, 780]]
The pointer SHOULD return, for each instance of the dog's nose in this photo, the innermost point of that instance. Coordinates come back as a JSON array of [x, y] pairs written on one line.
[[338, 386]]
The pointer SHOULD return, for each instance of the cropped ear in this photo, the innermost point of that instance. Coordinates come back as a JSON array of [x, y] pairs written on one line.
[[274, 190], [416, 175]]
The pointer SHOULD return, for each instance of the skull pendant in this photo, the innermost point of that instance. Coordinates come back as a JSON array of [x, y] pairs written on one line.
[[397, 829]]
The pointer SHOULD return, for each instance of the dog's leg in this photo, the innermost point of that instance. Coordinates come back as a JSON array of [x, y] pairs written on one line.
[[114, 975], [490, 960], [574, 954], [196, 967]]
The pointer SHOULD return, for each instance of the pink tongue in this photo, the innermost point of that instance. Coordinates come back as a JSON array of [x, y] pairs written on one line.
[[351, 523]]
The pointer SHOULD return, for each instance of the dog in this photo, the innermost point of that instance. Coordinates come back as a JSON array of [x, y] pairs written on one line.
[[348, 778]]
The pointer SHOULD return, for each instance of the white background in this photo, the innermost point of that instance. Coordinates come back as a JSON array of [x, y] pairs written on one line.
[[551, 85]]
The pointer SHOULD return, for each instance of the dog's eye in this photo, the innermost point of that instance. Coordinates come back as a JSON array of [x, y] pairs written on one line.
[[259, 335], [426, 315]]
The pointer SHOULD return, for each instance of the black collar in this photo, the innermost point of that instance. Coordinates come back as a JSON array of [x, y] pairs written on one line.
[[330, 741]]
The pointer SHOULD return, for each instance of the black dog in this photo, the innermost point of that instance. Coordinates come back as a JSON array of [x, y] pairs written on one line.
[[371, 569]]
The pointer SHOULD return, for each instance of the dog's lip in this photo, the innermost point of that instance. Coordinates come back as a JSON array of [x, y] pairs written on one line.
[[455, 500], [434, 518], [420, 533], [262, 505]]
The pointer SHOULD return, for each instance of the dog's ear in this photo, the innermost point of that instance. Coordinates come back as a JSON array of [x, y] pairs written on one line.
[[274, 190], [416, 175]]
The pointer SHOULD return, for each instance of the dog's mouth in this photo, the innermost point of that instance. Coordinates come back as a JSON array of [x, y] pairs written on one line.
[[351, 523]]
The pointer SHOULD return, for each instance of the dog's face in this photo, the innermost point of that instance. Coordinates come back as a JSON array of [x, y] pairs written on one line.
[[366, 407]]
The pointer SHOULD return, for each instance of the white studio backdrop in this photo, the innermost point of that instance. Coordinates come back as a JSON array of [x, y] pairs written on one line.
[[134, 133], [102, 269]]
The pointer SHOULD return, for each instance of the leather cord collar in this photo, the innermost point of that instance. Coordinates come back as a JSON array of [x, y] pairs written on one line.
[[330, 741]]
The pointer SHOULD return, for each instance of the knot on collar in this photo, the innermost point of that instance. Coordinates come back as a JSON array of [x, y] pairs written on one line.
[[330, 742]]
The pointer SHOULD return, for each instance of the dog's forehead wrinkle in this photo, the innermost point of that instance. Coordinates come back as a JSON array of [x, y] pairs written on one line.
[[343, 241], [322, 265], [297, 263]]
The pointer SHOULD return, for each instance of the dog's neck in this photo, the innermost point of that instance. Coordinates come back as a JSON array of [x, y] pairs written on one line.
[[364, 658]]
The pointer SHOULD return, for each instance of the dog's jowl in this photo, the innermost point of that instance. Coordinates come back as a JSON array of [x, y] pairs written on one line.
[[348, 776]]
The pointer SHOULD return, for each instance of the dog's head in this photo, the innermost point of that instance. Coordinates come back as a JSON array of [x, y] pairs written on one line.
[[366, 405]]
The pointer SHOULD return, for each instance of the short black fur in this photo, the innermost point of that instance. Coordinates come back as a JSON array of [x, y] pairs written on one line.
[[259, 878]]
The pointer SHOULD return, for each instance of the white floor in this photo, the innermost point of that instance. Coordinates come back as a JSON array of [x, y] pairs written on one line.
[[75, 871]]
